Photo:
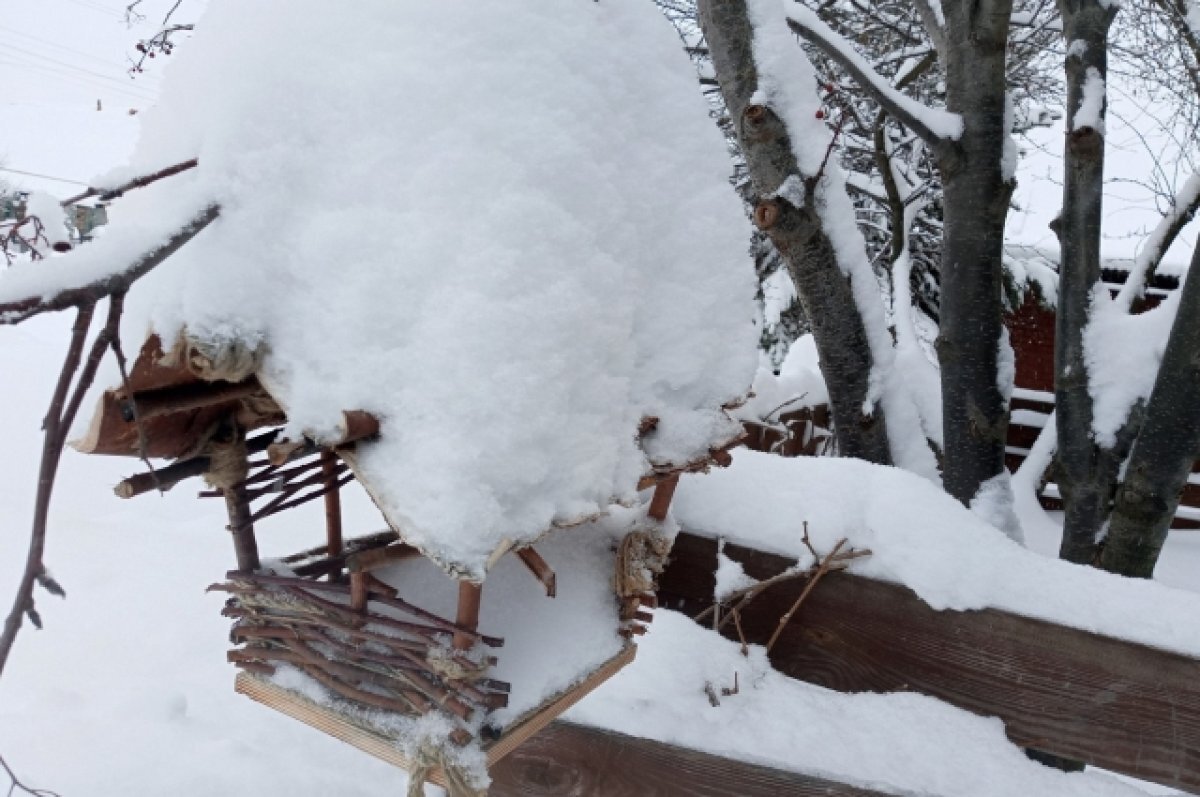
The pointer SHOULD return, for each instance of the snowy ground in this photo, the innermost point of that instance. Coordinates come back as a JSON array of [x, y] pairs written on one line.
[[127, 691]]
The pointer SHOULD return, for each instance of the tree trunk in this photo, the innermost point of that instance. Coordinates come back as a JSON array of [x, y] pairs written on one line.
[[1166, 448], [1087, 471], [824, 290], [977, 192]]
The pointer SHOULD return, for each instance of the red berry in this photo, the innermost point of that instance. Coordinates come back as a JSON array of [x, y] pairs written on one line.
[[830, 87], [820, 114]]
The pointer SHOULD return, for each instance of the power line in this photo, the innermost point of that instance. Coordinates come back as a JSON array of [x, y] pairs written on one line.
[[65, 64], [43, 176], [63, 47], [80, 80], [112, 12]]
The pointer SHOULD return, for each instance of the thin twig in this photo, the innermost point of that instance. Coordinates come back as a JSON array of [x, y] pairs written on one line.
[[137, 182], [17, 784], [826, 564], [52, 439], [143, 442]]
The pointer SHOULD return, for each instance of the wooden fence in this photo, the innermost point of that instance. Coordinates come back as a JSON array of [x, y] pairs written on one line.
[[1108, 702]]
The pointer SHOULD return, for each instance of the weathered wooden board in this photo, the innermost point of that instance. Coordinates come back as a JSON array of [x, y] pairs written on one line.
[[568, 760], [1114, 704], [382, 747]]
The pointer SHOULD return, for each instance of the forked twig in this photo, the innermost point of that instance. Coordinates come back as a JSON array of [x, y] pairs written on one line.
[[17, 784], [825, 566]]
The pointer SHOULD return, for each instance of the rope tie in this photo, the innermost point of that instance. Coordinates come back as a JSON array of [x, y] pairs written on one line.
[[446, 665], [459, 780], [226, 359], [641, 557], [228, 464]]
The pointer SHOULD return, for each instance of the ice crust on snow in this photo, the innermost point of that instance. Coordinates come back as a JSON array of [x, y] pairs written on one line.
[[509, 260], [924, 539]]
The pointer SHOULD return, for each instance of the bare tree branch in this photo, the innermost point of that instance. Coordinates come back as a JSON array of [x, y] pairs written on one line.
[[137, 182], [906, 110], [17, 784], [18, 311]]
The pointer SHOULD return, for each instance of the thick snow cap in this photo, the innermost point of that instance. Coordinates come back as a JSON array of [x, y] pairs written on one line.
[[503, 228]]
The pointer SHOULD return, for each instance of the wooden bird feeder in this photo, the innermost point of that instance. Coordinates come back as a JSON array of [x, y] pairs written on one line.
[[352, 615]]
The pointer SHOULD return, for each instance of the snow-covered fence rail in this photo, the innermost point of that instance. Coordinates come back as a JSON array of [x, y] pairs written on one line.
[[1030, 410], [1111, 703]]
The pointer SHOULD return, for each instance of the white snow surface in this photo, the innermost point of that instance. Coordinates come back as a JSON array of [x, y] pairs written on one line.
[[1091, 106], [798, 384], [153, 712], [924, 539], [1122, 353], [509, 260], [894, 742]]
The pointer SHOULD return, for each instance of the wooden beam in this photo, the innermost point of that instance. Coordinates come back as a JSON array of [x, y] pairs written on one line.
[[183, 398], [567, 759], [168, 476], [560, 759], [333, 504], [469, 596], [660, 502], [245, 546], [542, 571], [1114, 704]]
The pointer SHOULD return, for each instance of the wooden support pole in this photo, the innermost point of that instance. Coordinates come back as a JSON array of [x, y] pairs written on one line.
[[168, 477], [469, 598], [245, 546], [333, 504], [358, 591], [540, 569], [660, 504]]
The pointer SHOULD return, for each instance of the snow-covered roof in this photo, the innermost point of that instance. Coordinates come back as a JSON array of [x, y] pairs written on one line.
[[506, 230]]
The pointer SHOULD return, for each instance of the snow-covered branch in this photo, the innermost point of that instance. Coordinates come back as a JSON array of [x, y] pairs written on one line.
[[934, 125], [16, 311], [933, 21], [1183, 208]]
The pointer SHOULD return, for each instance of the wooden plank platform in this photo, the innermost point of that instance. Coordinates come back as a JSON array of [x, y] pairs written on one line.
[[384, 748], [1117, 705]]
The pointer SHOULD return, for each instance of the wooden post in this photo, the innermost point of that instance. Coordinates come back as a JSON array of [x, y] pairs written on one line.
[[333, 504], [661, 502], [469, 596], [358, 591], [245, 546]]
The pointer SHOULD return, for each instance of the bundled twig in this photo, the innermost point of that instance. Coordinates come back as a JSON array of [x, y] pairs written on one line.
[[366, 657]]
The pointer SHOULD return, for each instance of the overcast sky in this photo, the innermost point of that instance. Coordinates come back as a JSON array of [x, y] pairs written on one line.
[[61, 57]]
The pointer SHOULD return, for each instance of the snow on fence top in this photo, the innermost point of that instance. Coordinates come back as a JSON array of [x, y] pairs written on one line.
[[922, 538], [505, 229]]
